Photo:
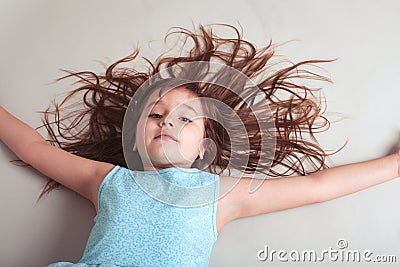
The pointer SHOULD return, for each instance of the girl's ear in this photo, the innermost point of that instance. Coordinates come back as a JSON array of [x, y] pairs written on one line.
[[202, 148], [201, 154]]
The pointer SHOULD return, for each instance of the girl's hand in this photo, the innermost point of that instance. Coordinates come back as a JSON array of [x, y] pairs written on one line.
[[77, 173], [396, 151], [398, 162], [290, 192]]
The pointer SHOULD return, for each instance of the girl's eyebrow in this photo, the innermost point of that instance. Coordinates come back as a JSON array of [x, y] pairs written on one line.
[[183, 104]]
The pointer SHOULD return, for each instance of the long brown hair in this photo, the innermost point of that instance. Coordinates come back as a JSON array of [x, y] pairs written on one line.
[[92, 128]]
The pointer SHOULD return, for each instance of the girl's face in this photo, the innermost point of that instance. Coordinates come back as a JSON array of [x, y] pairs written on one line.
[[170, 130]]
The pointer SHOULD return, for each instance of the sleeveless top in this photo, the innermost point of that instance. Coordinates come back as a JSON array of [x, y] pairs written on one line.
[[153, 218]]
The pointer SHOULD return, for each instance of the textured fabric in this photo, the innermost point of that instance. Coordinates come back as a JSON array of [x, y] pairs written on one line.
[[70, 264], [153, 218]]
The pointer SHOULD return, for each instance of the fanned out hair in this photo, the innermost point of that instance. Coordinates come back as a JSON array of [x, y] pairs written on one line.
[[92, 127]]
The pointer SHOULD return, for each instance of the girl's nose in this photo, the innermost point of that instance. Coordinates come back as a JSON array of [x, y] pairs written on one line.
[[168, 122]]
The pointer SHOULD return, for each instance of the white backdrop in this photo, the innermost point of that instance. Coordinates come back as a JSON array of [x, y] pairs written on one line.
[[40, 37]]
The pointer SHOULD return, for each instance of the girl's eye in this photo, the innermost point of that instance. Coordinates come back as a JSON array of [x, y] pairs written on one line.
[[185, 120], [155, 115], [158, 116]]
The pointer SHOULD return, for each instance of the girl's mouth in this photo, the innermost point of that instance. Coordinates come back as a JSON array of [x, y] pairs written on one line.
[[165, 137]]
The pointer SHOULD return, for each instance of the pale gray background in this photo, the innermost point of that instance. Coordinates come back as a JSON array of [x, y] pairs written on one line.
[[40, 37]]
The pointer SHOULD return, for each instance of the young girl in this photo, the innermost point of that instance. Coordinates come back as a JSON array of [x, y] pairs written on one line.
[[150, 149]]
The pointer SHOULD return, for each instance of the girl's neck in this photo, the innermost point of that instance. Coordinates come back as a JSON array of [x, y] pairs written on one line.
[[161, 167]]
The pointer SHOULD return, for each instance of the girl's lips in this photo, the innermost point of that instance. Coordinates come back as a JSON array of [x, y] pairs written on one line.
[[165, 137]]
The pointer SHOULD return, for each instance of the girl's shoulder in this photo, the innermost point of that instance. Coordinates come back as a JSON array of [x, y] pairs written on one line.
[[102, 170]]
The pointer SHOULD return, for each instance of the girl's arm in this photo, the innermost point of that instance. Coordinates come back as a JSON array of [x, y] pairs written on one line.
[[77, 173], [290, 192]]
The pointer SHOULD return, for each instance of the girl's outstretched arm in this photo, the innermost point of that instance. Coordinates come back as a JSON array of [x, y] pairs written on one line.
[[77, 173], [290, 192]]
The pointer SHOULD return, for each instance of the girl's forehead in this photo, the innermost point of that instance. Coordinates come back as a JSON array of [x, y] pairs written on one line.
[[179, 97]]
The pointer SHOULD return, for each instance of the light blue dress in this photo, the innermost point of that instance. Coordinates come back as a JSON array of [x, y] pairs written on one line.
[[153, 218]]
